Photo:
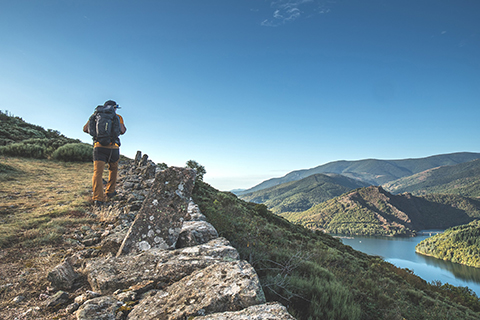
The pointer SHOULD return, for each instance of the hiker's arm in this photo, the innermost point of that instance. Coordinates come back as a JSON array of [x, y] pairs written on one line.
[[85, 127], [123, 129]]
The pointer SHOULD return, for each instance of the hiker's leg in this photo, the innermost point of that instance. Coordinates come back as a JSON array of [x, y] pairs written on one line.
[[114, 156], [97, 183], [112, 177]]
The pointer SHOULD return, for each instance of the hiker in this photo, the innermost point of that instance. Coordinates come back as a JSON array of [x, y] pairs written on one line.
[[104, 125]]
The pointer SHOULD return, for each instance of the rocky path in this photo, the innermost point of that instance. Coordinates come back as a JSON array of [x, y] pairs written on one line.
[[161, 259]]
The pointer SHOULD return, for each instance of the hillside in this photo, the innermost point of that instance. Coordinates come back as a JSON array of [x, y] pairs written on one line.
[[459, 244], [374, 211], [303, 194], [22, 139], [461, 179], [372, 171], [318, 276]]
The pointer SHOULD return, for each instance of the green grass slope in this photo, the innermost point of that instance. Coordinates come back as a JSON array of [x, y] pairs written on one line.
[[373, 171], [461, 179], [459, 244], [374, 211], [318, 277], [301, 195], [21, 139]]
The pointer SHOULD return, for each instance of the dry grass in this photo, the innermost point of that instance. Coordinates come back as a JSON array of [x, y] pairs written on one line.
[[40, 199], [41, 203]]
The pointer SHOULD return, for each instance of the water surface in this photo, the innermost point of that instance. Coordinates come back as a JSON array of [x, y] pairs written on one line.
[[401, 253]]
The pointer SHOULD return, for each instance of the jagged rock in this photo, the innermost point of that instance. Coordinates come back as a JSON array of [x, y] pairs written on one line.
[[71, 308], [86, 296], [102, 308], [106, 275], [78, 259], [159, 221], [58, 299], [196, 232], [194, 212], [267, 311], [144, 161], [112, 242], [226, 286], [62, 276], [138, 156], [149, 171], [204, 279]]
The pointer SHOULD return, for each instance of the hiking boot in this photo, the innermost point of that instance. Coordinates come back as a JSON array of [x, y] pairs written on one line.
[[98, 204], [111, 194]]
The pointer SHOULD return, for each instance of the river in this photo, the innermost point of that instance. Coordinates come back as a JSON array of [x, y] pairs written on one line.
[[401, 253]]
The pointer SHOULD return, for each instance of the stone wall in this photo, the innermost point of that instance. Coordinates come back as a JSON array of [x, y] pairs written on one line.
[[161, 259]]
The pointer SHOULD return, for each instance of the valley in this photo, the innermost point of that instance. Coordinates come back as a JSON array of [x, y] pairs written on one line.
[[445, 194]]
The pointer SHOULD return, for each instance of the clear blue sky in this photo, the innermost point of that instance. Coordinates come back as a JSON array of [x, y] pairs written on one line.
[[251, 89]]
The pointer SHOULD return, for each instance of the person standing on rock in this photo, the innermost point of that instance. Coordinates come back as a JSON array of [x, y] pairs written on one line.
[[105, 126]]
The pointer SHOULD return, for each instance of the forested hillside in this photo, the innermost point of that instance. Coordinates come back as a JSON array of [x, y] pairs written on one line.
[[374, 211], [301, 195], [320, 278], [461, 179], [459, 244]]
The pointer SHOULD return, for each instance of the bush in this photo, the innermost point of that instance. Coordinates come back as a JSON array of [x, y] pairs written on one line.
[[24, 150], [198, 168], [74, 152]]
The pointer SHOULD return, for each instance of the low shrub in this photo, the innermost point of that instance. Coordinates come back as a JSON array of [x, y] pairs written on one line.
[[24, 150], [74, 152]]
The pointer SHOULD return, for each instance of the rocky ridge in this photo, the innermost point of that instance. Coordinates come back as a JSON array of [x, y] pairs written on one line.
[[161, 259]]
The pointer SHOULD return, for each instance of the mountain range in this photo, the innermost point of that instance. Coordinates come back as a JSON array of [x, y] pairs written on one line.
[[303, 194], [441, 196], [372, 171], [462, 179]]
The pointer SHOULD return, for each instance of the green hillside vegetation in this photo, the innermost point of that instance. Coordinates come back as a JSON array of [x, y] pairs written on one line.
[[461, 179], [373, 171], [318, 277], [303, 194], [459, 244], [374, 211], [21, 139]]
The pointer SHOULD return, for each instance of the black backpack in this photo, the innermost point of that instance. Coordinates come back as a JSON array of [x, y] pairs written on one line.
[[104, 125]]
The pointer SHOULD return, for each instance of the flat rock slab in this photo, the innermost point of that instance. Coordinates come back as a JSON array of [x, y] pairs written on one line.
[[160, 219], [267, 311], [226, 286], [163, 267]]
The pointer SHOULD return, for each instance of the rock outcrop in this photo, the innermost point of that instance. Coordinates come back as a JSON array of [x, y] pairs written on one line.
[[161, 259], [160, 219]]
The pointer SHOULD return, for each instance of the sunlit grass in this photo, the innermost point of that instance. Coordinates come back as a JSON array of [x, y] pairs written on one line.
[[41, 199]]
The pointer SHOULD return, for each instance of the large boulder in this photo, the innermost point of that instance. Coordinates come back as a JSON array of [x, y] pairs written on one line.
[[160, 219], [196, 232], [163, 267], [226, 286]]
